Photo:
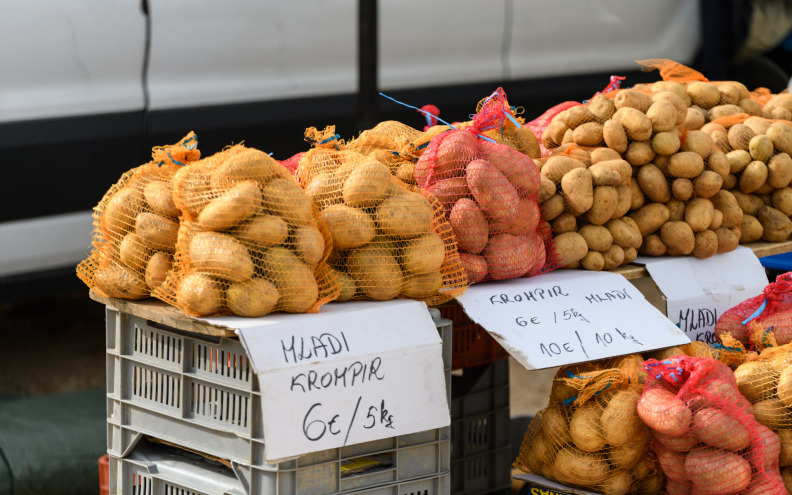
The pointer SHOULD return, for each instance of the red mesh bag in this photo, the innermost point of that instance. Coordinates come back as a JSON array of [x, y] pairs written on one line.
[[770, 310], [249, 243], [489, 193], [706, 437], [135, 226]]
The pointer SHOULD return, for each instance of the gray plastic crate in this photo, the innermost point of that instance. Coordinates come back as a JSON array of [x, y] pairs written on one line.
[[153, 469], [201, 392], [480, 430]]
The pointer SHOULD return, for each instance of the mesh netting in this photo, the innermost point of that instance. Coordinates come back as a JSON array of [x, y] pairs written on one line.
[[489, 192], [249, 243], [386, 142], [770, 311], [706, 437], [389, 240], [135, 226], [589, 435]]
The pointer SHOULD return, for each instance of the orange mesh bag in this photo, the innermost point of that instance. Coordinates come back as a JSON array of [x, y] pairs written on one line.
[[389, 241], [589, 435], [706, 437], [770, 310], [250, 242], [385, 142], [489, 192], [135, 226]]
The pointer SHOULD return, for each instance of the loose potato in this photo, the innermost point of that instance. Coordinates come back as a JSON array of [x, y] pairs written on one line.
[[557, 166], [653, 183], [698, 214], [615, 136], [652, 245], [602, 175], [727, 204], [263, 231], [492, 190], [777, 226], [120, 282], [547, 190], [238, 203], [687, 164], [738, 160], [663, 412], [570, 247], [157, 269], [677, 210], [470, 226], [578, 190], [553, 207], [159, 196], [650, 217], [706, 244], [698, 142], [760, 147], [703, 94], [707, 184], [200, 294], [603, 154], [717, 472], [753, 176], [565, 222], [593, 261], [632, 98], [221, 255], [588, 134], [682, 189], [614, 257], [781, 200], [695, 118], [719, 163], [605, 201], [349, 227], [423, 254], [449, 191], [156, 231], [666, 143], [252, 298], [286, 199], [678, 236], [636, 124], [555, 130], [781, 134], [663, 115], [779, 170], [728, 239], [118, 216], [624, 202], [597, 237], [376, 272], [623, 234], [602, 108], [475, 267], [294, 280], [510, 256], [750, 229], [639, 153]]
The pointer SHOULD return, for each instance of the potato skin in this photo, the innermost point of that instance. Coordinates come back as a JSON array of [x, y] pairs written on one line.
[[470, 226], [475, 266], [120, 211], [654, 183], [578, 189], [687, 164], [449, 191], [309, 245], [570, 247], [650, 217], [423, 254], [605, 201], [678, 236], [263, 231]]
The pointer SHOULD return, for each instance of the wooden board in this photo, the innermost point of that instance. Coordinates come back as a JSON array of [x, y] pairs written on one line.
[[160, 312]]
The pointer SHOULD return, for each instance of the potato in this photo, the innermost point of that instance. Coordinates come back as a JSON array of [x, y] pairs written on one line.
[[238, 203], [760, 147], [553, 207], [771, 446], [519, 169], [593, 261], [191, 189], [252, 298], [727, 204], [620, 422], [624, 202], [706, 244], [615, 135], [781, 200], [524, 221], [605, 201], [663, 412], [547, 190], [728, 239], [771, 413], [423, 254], [565, 222], [602, 175], [784, 387], [449, 191], [376, 272], [653, 183], [711, 127], [367, 185], [653, 246], [159, 196], [779, 170], [682, 189], [785, 450], [557, 166], [510, 256], [623, 234], [470, 226], [492, 190], [555, 426], [578, 115], [626, 456], [404, 216], [618, 483], [687, 164], [707, 184], [703, 94], [309, 245], [665, 143], [695, 118], [156, 231], [294, 280], [698, 214], [118, 216], [475, 267], [781, 134], [349, 227], [601, 107], [588, 134], [740, 136], [777, 226], [133, 252], [578, 190], [639, 153], [324, 190], [636, 124], [348, 286], [663, 115], [121, 282], [220, 255], [682, 443], [585, 428], [672, 463], [555, 130], [157, 269], [717, 472], [753, 176], [249, 164], [422, 286], [454, 152], [698, 142], [286, 199], [621, 166], [678, 236], [650, 217], [719, 429], [598, 237], [200, 294], [614, 257], [632, 98], [719, 163], [581, 468], [738, 160], [603, 154], [750, 229], [755, 380], [263, 231], [570, 247], [721, 141]]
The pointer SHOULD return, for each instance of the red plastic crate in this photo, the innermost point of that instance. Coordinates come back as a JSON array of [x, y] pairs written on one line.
[[104, 482], [471, 344]]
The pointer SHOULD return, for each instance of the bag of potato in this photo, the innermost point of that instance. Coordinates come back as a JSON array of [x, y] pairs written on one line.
[[729, 351], [135, 226], [589, 435], [250, 242], [706, 437], [489, 192], [389, 240], [772, 309]]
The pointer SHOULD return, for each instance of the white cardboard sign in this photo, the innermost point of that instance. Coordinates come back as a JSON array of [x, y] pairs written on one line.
[[699, 291], [569, 316], [352, 373]]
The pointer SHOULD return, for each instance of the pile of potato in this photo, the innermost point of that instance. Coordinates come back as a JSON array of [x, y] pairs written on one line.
[[249, 242], [631, 155], [388, 240], [706, 437], [590, 435], [136, 226]]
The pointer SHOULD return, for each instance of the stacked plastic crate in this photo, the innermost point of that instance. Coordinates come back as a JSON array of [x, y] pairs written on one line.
[[184, 416], [480, 410]]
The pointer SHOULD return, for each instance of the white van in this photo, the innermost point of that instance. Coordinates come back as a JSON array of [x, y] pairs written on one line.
[[88, 87]]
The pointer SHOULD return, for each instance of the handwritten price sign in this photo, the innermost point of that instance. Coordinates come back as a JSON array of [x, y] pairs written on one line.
[[351, 374], [568, 316]]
